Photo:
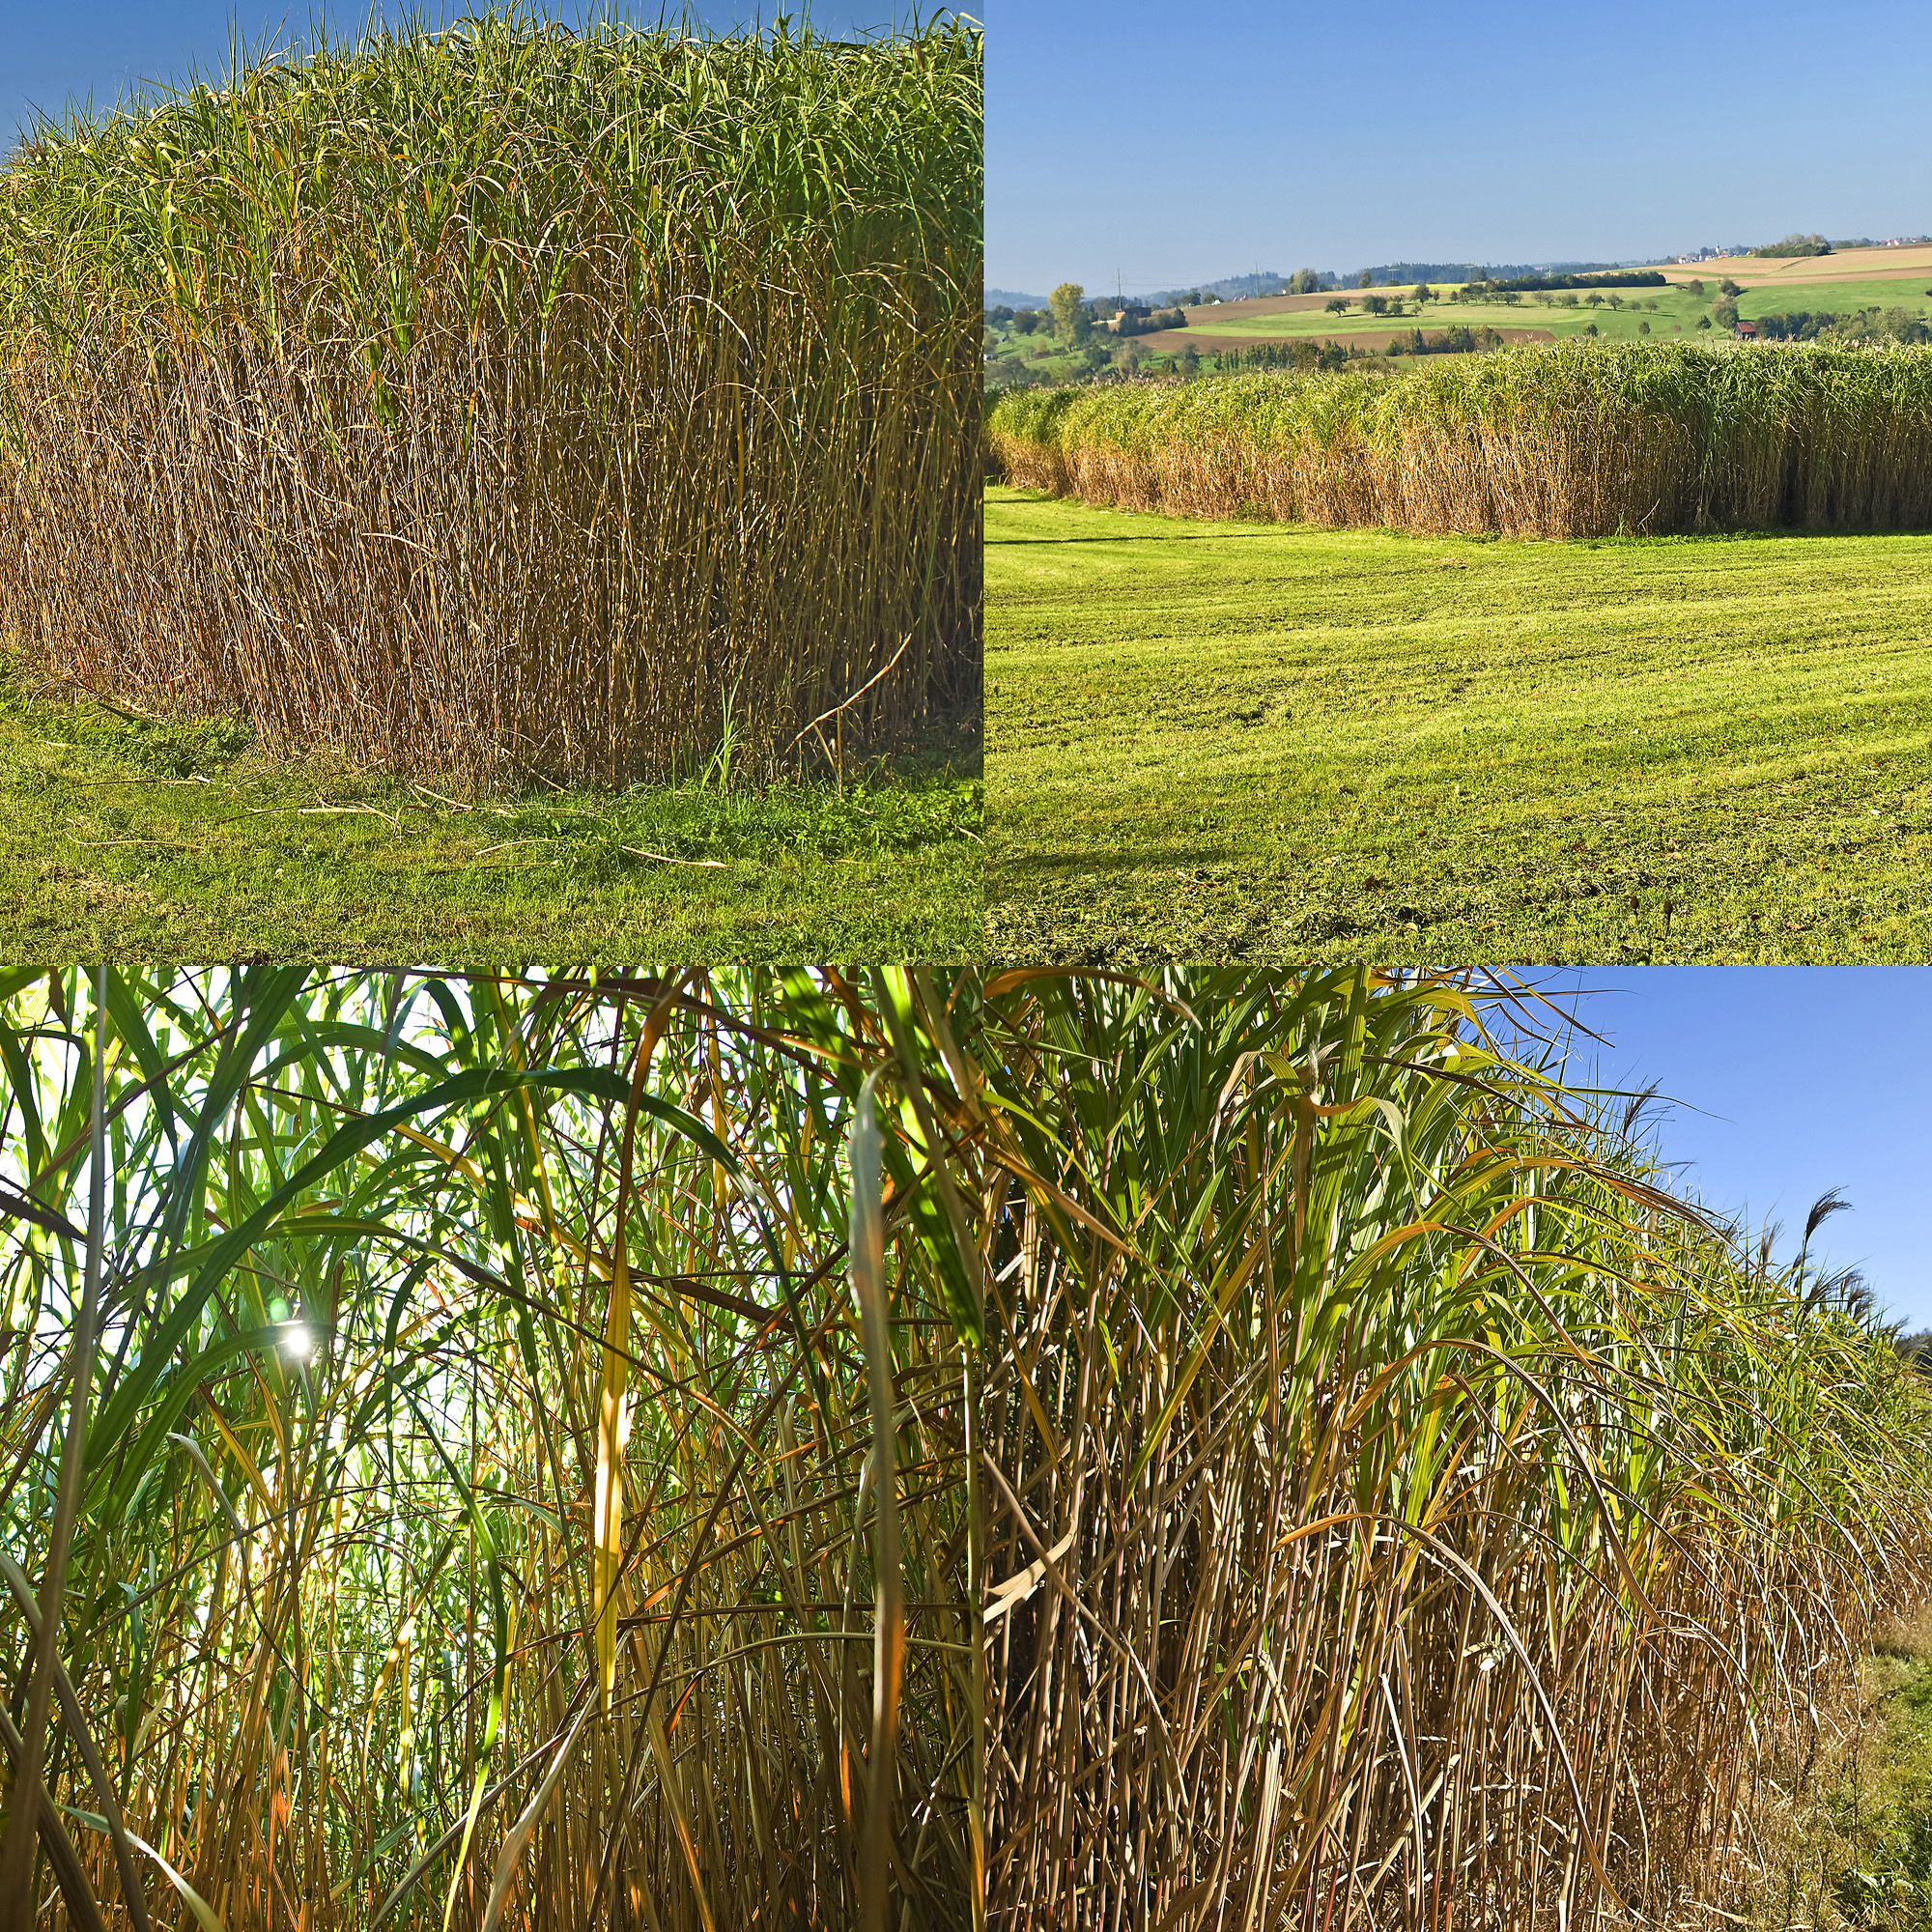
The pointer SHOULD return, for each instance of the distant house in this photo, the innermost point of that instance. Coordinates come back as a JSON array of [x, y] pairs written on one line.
[[1132, 312], [1746, 331]]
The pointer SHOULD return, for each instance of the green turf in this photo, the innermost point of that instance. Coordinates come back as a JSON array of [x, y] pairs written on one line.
[[1251, 741], [179, 842]]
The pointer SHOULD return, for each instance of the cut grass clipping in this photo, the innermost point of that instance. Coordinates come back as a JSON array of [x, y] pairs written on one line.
[[442, 1419], [1267, 742], [1581, 439], [1408, 1514], [149, 840], [507, 399]]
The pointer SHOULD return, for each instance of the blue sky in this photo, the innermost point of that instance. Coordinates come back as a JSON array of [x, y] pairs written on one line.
[[1175, 145], [54, 52], [1787, 1081]]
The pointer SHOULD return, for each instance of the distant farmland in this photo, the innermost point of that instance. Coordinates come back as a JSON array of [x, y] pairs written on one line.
[[1833, 284], [1849, 264]]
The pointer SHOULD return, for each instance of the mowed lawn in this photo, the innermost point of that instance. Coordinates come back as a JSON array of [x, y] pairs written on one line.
[[1260, 741], [181, 842]]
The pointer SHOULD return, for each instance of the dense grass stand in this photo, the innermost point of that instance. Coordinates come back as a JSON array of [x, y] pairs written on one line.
[[473, 1511], [1581, 439], [507, 400], [1410, 1516]]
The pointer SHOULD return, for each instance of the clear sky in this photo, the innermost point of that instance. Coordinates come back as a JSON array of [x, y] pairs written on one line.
[[1787, 1081], [1175, 145], [54, 52]]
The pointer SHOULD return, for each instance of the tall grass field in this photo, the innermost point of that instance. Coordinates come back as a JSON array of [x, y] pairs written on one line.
[[506, 399], [485, 1453], [1579, 440], [1408, 1512]]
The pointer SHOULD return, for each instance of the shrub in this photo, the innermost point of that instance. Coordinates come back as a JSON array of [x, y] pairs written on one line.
[[1796, 244]]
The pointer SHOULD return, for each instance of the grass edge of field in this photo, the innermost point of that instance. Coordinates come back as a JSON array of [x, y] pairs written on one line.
[[1846, 1841], [1109, 918], [180, 838]]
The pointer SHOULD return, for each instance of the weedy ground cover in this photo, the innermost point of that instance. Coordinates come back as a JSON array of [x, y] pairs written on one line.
[[508, 400], [1846, 1844], [487, 1452], [1407, 1513], [1240, 741], [1581, 439], [176, 840]]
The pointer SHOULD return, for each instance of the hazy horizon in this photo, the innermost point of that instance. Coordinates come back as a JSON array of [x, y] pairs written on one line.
[[1282, 136]]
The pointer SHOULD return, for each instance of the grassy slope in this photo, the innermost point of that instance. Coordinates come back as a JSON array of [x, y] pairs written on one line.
[[1217, 327], [1034, 358], [1676, 314], [1039, 360], [1249, 741], [169, 843], [1844, 298]]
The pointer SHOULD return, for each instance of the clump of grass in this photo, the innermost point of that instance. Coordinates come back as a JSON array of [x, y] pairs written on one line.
[[481, 1504], [1581, 439], [506, 399], [1409, 1512], [186, 749]]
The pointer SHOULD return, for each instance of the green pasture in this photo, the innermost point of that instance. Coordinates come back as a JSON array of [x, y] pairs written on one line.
[[1676, 313], [172, 842], [1912, 293], [1265, 742], [1041, 358]]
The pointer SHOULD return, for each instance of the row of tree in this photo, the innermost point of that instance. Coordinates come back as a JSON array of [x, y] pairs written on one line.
[[1455, 340], [1622, 278]]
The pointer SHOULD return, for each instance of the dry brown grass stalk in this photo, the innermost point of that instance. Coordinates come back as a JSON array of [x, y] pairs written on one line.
[[333, 1616]]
